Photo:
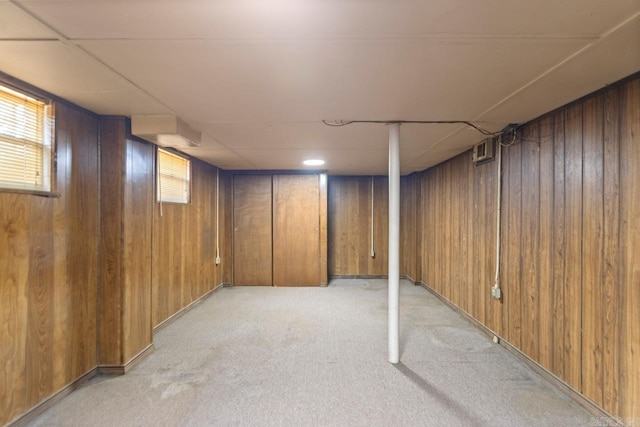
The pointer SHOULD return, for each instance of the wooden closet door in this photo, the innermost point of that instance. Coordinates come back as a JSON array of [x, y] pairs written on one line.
[[296, 233], [252, 256]]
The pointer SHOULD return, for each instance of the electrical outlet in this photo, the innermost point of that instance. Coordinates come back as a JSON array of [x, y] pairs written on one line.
[[496, 292], [218, 260]]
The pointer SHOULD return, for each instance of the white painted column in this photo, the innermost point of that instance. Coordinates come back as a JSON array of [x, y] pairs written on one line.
[[394, 241]]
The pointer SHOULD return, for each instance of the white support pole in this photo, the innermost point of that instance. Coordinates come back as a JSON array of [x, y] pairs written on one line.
[[394, 240]]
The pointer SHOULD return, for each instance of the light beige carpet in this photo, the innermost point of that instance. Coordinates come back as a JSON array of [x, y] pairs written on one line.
[[251, 356]]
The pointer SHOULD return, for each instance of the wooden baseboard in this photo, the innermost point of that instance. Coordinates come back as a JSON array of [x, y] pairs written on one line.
[[47, 403], [185, 309], [583, 401], [123, 369]]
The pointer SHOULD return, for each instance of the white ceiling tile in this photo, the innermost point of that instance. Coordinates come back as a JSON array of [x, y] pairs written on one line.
[[285, 19], [65, 71], [259, 77], [16, 24]]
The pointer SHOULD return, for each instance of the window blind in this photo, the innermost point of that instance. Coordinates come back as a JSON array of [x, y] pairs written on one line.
[[174, 176], [25, 142]]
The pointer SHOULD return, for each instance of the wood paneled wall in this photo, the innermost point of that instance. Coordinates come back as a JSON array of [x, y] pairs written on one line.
[[349, 225], [184, 246], [457, 254], [127, 176], [571, 235], [49, 273]]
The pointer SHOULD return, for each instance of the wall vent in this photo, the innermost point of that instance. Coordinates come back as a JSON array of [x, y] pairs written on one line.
[[165, 131], [484, 151]]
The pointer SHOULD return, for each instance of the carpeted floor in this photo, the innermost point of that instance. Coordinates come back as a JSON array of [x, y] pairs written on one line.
[[318, 357]]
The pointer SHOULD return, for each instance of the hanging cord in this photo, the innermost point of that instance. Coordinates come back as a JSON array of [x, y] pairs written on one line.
[[337, 123], [373, 251], [218, 216], [496, 292]]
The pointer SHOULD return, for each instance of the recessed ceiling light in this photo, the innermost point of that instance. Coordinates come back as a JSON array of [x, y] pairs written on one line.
[[313, 162]]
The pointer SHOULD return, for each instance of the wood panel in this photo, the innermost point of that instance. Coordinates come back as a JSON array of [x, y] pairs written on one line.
[[573, 247], [559, 240], [49, 273], [184, 245], [350, 219], [226, 227], [408, 226], [324, 272], [296, 230], [512, 209], [252, 230], [592, 249], [611, 252], [545, 266], [127, 176], [630, 248], [112, 156], [570, 238], [348, 224], [530, 241], [137, 251]]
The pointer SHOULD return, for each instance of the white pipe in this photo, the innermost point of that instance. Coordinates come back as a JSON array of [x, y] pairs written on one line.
[[373, 248], [394, 241]]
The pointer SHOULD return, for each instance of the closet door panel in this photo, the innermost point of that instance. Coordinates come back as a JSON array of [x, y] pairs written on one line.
[[296, 230], [252, 229]]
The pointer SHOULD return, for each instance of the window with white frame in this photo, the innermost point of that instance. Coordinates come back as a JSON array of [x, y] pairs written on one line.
[[173, 177], [26, 141]]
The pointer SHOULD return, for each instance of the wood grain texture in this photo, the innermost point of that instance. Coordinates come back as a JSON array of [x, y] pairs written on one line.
[[512, 214], [349, 225], [592, 249], [530, 241], [49, 273], [408, 225], [559, 239], [573, 247], [184, 246], [570, 239], [630, 248], [611, 252], [252, 230], [545, 266], [127, 177], [137, 251], [226, 227], [323, 194], [112, 156], [296, 230]]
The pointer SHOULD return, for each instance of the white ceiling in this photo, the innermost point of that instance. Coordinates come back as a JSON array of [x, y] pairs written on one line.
[[258, 77]]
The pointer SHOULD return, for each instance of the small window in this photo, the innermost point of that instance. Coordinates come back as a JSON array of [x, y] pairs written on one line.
[[26, 137], [174, 177]]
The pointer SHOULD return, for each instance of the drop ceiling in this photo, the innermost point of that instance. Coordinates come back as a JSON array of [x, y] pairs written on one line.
[[258, 77]]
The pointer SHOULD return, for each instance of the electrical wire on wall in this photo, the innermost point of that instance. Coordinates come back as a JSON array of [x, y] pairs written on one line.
[[496, 291], [218, 260], [373, 251]]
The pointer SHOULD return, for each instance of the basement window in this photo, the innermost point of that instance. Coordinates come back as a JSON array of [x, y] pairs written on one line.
[[173, 178], [26, 142]]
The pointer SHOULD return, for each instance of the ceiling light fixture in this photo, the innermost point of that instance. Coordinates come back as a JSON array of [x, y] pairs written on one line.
[[313, 162]]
